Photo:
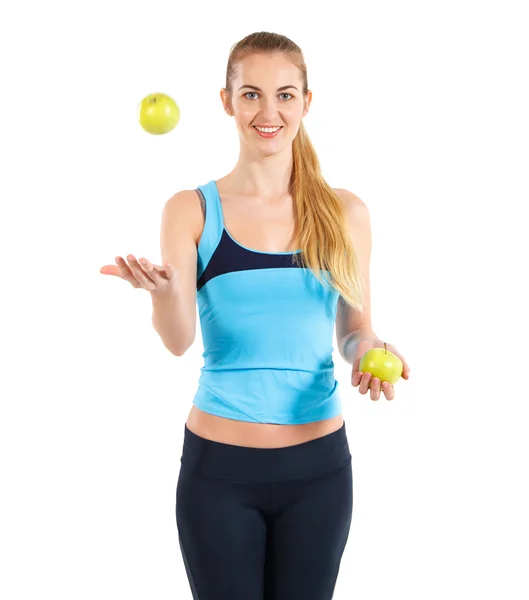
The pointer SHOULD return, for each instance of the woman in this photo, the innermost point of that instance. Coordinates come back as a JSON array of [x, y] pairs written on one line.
[[275, 258]]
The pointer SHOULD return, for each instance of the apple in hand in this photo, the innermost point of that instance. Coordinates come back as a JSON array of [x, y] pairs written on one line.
[[382, 364]]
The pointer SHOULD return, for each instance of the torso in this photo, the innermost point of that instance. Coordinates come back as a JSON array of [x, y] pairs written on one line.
[[267, 227]]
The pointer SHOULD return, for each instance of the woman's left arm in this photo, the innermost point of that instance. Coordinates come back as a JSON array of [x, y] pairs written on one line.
[[354, 331]]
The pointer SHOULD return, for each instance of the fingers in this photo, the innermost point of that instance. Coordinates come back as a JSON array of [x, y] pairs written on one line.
[[362, 380], [110, 270], [153, 272], [375, 388], [134, 273], [405, 369], [142, 273], [366, 382], [356, 378], [389, 390], [126, 272]]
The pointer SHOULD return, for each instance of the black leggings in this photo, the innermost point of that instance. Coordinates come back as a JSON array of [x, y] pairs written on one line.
[[264, 523]]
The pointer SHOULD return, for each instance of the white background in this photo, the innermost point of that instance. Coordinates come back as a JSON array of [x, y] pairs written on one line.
[[419, 108]]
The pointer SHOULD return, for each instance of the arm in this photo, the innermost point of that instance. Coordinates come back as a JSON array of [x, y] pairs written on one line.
[[352, 325], [174, 314]]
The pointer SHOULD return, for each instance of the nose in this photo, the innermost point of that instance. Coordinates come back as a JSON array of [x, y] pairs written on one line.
[[269, 109]]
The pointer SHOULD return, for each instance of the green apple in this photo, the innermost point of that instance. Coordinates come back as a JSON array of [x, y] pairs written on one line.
[[158, 113], [382, 364]]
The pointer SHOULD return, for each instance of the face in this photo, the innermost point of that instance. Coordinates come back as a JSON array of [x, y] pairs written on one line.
[[278, 101]]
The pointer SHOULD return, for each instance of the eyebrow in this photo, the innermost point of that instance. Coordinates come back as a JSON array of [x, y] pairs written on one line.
[[285, 87]]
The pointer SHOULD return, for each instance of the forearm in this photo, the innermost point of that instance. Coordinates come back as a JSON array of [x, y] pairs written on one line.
[[348, 345], [172, 322]]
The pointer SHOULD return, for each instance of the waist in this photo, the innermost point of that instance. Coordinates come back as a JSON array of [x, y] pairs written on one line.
[[257, 435], [307, 459]]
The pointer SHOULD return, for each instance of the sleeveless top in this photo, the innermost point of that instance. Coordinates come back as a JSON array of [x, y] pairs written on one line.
[[267, 328]]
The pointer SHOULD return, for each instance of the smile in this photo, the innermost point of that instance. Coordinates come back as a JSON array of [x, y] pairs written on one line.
[[267, 132]]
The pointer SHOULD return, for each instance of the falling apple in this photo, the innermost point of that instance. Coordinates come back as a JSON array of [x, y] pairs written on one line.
[[158, 113], [382, 364]]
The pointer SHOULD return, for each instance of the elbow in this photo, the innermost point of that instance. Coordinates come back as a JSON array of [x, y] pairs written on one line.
[[177, 352], [181, 351]]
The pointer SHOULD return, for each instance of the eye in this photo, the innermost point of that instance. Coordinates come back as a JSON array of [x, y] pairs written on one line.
[[283, 94]]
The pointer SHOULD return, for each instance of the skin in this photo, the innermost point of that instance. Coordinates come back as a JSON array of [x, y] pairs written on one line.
[[264, 165]]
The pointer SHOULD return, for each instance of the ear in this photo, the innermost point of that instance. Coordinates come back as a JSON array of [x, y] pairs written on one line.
[[308, 100], [226, 102]]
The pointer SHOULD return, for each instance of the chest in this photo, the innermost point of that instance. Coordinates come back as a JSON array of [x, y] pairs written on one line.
[[258, 225]]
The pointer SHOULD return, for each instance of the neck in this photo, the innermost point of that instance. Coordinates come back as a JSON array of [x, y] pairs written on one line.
[[263, 176]]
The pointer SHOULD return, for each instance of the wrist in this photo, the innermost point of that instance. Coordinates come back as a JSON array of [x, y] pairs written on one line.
[[348, 346], [163, 296]]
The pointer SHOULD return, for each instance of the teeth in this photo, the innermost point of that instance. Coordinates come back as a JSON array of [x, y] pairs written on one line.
[[268, 129]]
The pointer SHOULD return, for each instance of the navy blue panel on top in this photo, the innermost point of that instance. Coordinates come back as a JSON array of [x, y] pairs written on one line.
[[230, 257]]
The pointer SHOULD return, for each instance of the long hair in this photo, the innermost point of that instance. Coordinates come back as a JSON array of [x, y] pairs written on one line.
[[321, 230]]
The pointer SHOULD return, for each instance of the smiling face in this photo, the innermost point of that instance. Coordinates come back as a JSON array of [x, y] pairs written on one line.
[[267, 91]]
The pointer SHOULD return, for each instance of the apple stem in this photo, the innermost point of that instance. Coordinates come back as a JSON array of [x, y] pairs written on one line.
[[385, 348]]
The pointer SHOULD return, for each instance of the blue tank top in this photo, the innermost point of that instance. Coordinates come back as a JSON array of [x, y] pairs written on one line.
[[267, 328]]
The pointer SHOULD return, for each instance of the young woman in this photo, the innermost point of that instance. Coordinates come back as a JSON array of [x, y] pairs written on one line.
[[274, 258]]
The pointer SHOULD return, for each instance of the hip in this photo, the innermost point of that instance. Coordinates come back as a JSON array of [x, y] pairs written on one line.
[[301, 461]]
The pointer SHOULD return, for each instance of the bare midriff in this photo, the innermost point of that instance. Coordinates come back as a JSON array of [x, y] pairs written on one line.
[[257, 435]]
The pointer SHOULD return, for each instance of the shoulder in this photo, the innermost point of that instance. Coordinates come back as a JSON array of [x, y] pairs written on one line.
[[185, 207], [184, 199], [351, 201], [356, 209]]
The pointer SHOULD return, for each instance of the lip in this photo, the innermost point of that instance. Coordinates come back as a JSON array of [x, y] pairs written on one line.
[[267, 135]]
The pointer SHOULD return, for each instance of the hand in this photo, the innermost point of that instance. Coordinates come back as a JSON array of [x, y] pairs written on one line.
[[366, 380], [144, 274]]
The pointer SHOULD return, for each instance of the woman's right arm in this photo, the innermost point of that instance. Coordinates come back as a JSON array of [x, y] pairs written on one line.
[[174, 308]]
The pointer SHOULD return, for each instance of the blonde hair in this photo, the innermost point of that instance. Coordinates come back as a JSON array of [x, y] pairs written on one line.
[[321, 229]]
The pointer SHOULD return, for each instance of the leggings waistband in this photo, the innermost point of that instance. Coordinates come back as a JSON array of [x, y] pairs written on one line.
[[301, 461]]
